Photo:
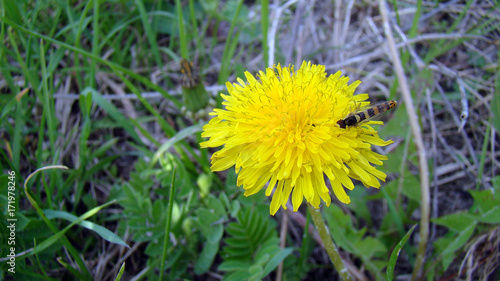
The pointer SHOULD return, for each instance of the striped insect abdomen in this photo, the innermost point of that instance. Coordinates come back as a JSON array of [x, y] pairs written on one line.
[[375, 110]]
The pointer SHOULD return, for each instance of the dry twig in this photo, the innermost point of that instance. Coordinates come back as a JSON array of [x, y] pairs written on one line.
[[419, 142]]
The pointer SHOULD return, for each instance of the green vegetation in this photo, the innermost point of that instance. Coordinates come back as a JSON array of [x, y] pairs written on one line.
[[91, 91]]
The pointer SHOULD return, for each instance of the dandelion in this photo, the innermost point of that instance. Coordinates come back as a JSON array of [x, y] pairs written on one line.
[[282, 129]]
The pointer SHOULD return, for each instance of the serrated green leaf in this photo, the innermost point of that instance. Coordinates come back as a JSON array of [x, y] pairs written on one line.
[[237, 254], [342, 220], [250, 238], [456, 221], [234, 230], [485, 200], [238, 243], [339, 227], [370, 246], [345, 235]]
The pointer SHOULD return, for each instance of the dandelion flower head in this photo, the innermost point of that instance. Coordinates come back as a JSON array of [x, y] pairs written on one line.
[[282, 129]]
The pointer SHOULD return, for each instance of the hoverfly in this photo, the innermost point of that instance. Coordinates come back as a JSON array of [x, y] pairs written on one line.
[[190, 76], [356, 117]]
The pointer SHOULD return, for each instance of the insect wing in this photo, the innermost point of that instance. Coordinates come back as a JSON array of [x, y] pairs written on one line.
[[378, 109]]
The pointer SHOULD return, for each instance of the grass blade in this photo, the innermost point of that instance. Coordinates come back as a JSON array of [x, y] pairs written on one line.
[[227, 55], [167, 228], [99, 230], [395, 254]]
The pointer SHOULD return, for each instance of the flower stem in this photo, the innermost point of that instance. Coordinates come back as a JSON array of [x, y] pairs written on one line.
[[328, 244]]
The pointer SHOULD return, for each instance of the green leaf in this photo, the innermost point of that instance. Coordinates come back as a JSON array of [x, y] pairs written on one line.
[[237, 276], [231, 179], [485, 200], [267, 250], [206, 258], [346, 236], [233, 265], [118, 117], [204, 182], [209, 5], [55, 60], [395, 254], [456, 222], [208, 222], [11, 10], [448, 245], [120, 273], [276, 260], [394, 212], [256, 271], [370, 246], [411, 184], [496, 183], [216, 206], [358, 204], [262, 260], [252, 241], [11, 104], [103, 148], [397, 124], [158, 211], [490, 216], [21, 222], [99, 230], [57, 236], [341, 228], [184, 133]]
